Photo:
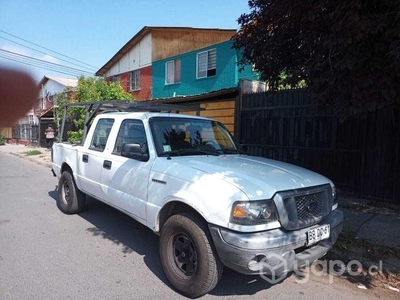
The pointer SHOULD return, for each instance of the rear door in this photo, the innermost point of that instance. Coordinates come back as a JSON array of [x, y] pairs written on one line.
[[91, 160]]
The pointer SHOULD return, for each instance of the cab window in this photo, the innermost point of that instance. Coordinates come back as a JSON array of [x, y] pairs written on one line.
[[130, 132], [100, 134]]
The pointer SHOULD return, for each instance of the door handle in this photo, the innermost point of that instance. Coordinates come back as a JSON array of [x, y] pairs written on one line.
[[107, 164], [85, 158]]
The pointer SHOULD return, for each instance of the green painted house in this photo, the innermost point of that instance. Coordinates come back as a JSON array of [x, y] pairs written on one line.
[[201, 71]]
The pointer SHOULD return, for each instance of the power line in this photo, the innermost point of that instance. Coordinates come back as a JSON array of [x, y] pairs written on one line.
[[90, 69], [42, 63], [44, 67], [48, 49]]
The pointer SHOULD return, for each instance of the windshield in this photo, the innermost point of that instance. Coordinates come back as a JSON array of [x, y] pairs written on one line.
[[183, 136]]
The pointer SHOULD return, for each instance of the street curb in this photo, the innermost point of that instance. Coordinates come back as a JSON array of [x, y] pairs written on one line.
[[348, 256], [372, 209], [37, 161]]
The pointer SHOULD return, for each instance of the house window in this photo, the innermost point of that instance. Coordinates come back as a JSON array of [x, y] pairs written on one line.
[[173, 71], [207, 63], [134, 80]]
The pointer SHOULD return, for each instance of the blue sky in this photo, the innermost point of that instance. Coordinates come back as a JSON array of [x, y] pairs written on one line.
[[93, 31]]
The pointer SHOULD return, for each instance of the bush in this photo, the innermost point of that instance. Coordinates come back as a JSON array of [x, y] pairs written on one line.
[[2, 139], [33, 152]]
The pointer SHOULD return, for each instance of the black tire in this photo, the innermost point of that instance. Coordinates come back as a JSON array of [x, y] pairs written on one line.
[[188, 257], [70, 199]]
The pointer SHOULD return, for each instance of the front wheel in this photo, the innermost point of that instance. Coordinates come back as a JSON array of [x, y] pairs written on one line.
[[187, 255], [70, 199]]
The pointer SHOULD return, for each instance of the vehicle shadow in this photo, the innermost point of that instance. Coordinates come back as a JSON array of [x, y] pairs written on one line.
[[132, 236], [233, 283], [54, 194], [113, 225]]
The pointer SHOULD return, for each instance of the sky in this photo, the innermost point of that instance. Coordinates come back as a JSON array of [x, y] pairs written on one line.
[[85, 34]]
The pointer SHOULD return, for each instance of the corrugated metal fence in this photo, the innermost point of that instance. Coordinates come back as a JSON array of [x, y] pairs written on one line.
[[361, 155]]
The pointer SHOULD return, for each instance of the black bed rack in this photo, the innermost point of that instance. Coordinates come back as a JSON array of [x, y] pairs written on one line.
[[96, 107]]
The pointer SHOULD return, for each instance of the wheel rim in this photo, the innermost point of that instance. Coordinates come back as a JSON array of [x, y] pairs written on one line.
[[65, 188], [185, 254]]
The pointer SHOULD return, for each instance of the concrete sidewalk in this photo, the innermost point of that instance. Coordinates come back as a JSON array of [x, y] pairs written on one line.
[[44, 158], [381, 225], [377, 225], [371, 234]]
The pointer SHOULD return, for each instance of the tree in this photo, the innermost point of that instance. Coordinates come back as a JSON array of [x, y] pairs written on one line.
[[89, 89], [347, 52]]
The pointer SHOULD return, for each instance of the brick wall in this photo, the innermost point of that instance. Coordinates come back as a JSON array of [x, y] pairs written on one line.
[[145, 92], [145, 85]]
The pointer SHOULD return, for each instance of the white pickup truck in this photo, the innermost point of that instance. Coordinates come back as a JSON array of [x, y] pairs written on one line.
[[185, 178]]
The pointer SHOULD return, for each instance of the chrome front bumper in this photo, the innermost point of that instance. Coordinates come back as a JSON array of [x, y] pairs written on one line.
[[274, 251]]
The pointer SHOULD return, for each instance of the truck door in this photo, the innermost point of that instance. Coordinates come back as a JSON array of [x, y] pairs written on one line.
[[91, 160], [125, 180]]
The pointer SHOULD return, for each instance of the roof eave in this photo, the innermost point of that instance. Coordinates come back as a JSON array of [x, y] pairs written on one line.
[[223, 93], [117, 56], [133, 41]]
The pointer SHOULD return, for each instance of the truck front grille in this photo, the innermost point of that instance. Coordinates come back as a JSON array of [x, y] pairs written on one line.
[[303, 207], [309, 206]]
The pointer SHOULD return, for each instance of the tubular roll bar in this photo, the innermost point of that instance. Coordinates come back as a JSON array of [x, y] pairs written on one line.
[[93, 108]]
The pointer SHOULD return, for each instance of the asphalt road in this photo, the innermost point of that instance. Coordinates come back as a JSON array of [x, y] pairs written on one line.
[[103, 254]]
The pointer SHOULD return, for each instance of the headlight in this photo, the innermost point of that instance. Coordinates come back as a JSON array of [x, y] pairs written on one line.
[[334, 198], [253, 212]]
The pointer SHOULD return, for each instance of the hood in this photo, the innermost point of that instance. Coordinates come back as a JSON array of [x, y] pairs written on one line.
[[259, 178]]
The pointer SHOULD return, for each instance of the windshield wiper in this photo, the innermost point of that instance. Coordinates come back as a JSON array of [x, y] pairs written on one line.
[[229, 150], [183, 152]]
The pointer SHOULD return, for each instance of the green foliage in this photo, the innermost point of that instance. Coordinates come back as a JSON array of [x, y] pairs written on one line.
[[346, 238], [89, 89], [75, 137], [346, 52], [2, 139], [33, 152], [97, 89], [284, 85]]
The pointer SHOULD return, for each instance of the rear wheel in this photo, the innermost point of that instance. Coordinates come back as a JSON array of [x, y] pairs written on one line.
[[70, 199], [187, 255]]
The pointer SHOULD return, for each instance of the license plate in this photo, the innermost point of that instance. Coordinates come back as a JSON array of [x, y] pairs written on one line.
[[318, 234]]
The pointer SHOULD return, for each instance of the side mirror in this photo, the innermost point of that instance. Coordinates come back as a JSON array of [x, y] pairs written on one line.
[[135, 151]]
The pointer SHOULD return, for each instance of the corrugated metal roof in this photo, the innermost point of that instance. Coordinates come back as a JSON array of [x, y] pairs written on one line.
[[227, 92], [68, 82], [46, 113]]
